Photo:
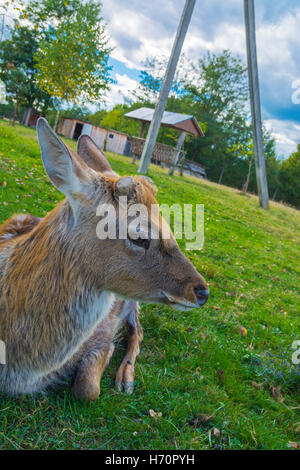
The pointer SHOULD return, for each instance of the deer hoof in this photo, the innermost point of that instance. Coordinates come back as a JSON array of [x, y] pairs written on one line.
[[129, 386], [119, 386]]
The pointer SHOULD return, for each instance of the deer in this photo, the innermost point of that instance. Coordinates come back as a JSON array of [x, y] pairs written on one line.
[[65, 293]]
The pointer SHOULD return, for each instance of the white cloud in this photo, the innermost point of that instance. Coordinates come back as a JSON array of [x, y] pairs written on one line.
[[134, 36], [286, 134], [141, 29], [120, 90]]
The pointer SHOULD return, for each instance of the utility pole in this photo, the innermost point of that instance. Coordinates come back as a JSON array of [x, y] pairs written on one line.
[[166, 86], [261, 176]]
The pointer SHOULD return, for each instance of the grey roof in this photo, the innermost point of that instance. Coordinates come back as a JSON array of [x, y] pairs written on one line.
[[175, 120], [194, 166]]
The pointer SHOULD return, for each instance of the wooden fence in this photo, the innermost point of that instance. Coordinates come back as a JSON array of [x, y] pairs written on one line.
[[162, 154]]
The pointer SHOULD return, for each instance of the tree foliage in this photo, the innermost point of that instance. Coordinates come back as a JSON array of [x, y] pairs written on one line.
[[289, 177], [215, 91], [72, 58], [17, 68]]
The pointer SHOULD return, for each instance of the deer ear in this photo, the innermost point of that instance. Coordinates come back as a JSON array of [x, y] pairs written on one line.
[[92, 155], [149, 183], [65, 171]]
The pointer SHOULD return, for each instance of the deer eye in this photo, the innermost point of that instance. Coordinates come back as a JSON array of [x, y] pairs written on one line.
[[142, 242]]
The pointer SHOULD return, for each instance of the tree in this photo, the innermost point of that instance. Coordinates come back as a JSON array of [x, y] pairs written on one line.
[[218, 94], [245, 153], [151, 78], [215, 91], [72, 59], [289, 177], [17, 69]]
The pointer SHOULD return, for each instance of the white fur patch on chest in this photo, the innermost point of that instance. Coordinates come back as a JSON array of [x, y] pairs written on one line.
[[86, 312], [92, 310]]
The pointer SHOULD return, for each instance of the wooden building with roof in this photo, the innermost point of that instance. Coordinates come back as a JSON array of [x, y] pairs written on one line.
[[181, 122], [164, 154], [107, 139]]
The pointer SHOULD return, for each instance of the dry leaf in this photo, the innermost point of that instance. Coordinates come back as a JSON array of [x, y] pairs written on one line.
[[217, 432], [243, 331], [4, 184], [295, 445], [155, 415], [276, 394]]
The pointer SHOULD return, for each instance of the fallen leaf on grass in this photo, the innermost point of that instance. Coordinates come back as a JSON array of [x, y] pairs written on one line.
[[4, 184], [276, 394], [217, 432], [294, 445], [154, 414], [243, 331], [230, 294]]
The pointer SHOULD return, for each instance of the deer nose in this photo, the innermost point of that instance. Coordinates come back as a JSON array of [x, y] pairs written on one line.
[[201, 295]]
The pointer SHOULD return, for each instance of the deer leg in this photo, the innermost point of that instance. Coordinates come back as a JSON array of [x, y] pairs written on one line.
[[95, 354], [125, 374], [90, 371]]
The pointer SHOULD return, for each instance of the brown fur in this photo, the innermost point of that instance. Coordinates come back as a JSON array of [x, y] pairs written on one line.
[[59, 284]]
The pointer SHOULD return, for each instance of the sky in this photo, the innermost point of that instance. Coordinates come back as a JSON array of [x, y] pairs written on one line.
[[141, 29]]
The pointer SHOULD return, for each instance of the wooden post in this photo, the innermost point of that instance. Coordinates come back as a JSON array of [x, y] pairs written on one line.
[[141, 136], [221, 175], [261, 176], [275, 194], [143, 128], [178, 148], [166, 86]]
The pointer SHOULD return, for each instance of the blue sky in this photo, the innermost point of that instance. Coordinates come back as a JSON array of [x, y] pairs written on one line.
[[142, 28]]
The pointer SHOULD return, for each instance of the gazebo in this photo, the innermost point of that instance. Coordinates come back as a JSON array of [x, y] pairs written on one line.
[[184, 123]]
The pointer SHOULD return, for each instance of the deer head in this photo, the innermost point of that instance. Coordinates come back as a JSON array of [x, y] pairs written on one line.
[[137, 266]]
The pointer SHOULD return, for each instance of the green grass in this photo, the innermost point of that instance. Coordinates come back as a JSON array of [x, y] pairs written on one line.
[[196, 368]]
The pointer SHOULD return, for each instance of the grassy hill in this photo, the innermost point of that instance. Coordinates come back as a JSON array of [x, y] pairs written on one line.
[[222, 376]]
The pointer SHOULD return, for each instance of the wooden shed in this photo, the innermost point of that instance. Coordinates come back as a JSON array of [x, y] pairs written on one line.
[[107, 139], [30, 117]]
